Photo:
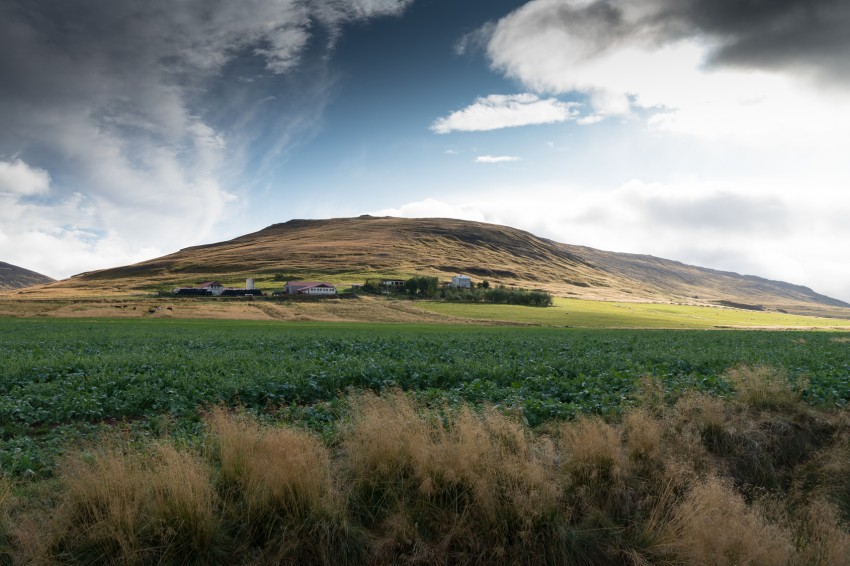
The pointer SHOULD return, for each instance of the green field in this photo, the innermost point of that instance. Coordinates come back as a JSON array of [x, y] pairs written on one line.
[[63, 380], [578, 313]]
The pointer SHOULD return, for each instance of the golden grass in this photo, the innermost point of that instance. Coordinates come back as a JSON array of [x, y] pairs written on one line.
[[703, 481], [765, 387], [593, 451], [184, 505], [276, 470], [644, 435], [130, 507], [481, 479], [822, 534], [713, 525]]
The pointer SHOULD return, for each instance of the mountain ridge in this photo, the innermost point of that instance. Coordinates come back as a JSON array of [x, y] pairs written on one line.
[[348, 249], [15, 277]]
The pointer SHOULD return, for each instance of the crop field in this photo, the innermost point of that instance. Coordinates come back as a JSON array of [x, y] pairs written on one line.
[[64, 380], [579, 313], [160, 441]]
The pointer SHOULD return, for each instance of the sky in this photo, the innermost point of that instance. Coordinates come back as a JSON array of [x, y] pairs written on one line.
[[713, 132]]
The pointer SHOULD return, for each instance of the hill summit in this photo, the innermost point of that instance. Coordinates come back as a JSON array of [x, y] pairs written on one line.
[[347, 250]]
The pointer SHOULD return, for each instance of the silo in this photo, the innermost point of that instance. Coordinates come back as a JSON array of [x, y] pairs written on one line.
[[249, 283]]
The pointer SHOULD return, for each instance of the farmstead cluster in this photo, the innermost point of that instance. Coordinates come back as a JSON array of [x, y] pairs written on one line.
[[313, 288]]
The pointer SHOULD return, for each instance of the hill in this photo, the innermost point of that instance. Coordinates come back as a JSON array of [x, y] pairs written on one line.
[[346, 250], [14, 277]]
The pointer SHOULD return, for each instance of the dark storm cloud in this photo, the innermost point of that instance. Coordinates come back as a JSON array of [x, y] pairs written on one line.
[[91, 87], [802, 35], [807, 34]]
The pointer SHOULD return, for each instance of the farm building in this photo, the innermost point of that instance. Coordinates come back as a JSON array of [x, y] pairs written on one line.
[[214, 287], [309, 288], [393, 284], [461, 281]]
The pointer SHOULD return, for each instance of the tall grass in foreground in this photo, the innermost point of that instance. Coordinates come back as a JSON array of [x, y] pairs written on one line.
[[760, 478]]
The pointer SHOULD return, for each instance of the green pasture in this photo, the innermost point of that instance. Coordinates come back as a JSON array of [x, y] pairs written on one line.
[[578, 313]]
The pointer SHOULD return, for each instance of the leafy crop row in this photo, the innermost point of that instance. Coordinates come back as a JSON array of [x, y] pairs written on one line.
[[59, 380]]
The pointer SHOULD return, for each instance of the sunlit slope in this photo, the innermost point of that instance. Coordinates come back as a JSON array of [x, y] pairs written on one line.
[[345, 250], [605, 314]]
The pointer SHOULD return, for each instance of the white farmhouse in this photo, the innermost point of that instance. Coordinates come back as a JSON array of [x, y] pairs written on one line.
[[213, 287], [309, 288], [461, 281]]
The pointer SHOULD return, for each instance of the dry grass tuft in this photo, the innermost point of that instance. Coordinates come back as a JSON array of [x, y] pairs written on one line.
[[234, 443], [280, 492], [290, 473], [826, 476], [470, 485], [822, 538], [701, 410], [713, 526], [131, 508], [643, 435], [765, 387], [183, 508], [698, 424], [593, 451], [101, 517], [386, 439]]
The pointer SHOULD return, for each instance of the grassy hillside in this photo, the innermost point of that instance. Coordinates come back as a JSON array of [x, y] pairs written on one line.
[[14, 277], [347, 250]]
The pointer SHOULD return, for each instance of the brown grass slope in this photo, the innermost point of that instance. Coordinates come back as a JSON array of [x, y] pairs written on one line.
[[14, 277], [346, 250]]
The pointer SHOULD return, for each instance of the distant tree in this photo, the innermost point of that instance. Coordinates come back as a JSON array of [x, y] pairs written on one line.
[[410, 286], [500, 295], [374, 286], [427, 286], [422, 286]]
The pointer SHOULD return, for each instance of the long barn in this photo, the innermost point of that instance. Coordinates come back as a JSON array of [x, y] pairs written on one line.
[[309, 288]]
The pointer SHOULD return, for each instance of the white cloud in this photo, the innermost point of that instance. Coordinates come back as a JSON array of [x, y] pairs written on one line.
[[590, 119], [434, 208], [632, 61], [505, 111], [497, 158], [18, 178]]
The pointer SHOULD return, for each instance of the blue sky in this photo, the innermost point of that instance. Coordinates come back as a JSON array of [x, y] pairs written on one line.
[[711, 132]]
